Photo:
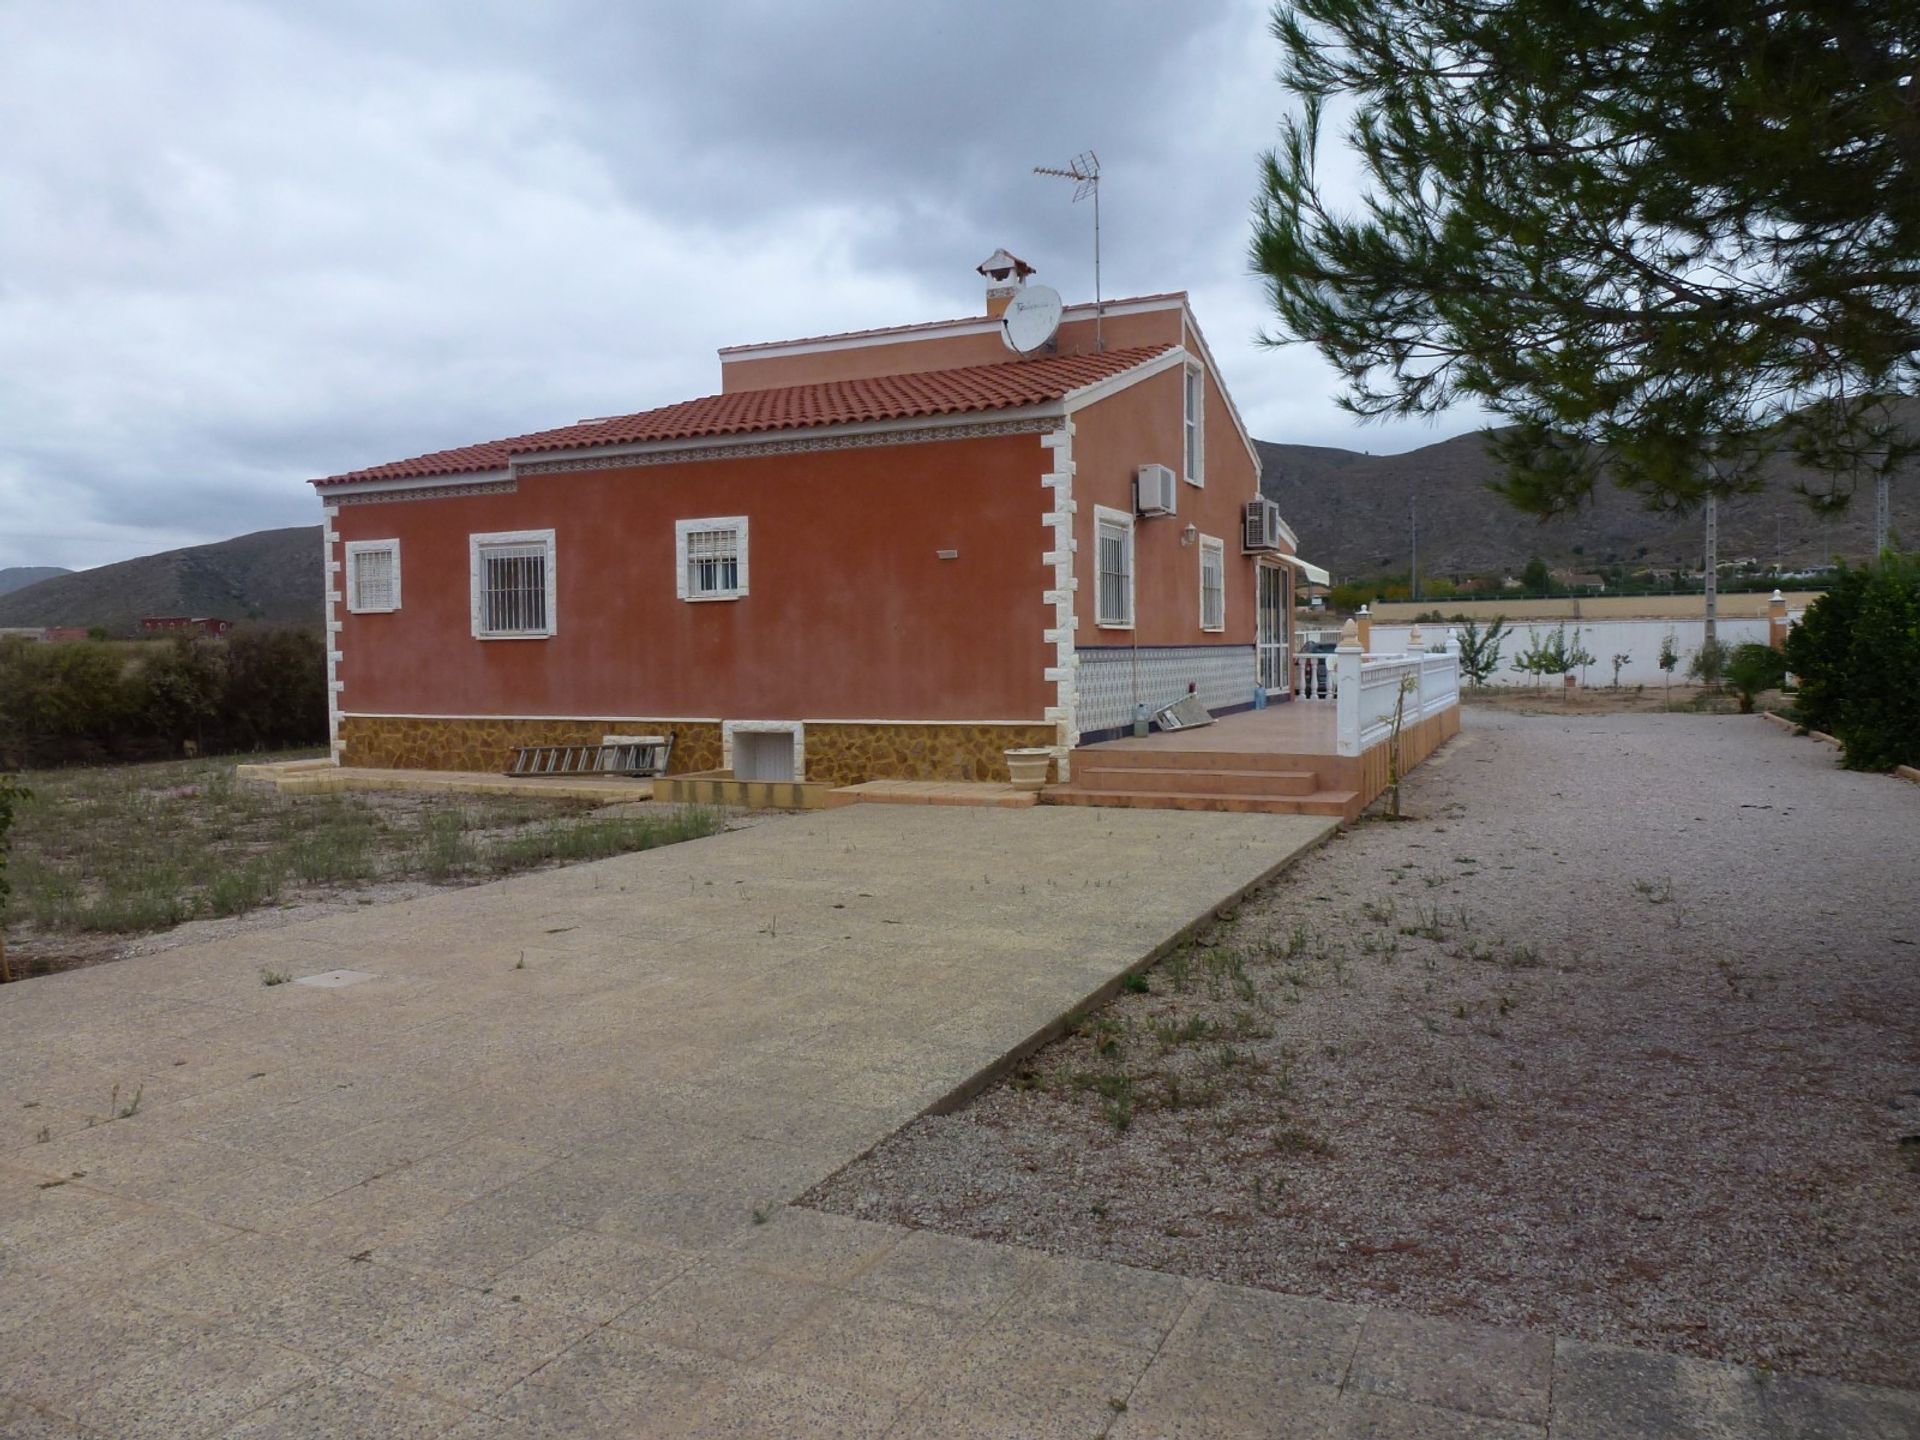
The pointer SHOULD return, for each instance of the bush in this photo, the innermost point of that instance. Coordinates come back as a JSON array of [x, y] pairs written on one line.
[[1857, 655], [1752, 668], [1709, 663], [94, 701]]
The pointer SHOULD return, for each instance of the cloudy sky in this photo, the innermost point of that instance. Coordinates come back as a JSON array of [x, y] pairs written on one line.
[[246, 244]]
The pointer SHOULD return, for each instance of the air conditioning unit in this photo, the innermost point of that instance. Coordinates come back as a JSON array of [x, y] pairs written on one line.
[[1262, 525], [1154, 491]]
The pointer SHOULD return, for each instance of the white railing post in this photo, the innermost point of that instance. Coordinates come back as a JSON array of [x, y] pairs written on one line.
[[1345, 663]]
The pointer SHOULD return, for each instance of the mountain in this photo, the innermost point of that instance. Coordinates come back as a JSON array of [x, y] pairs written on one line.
[[272, 575], [1353, 514], [18, 577]]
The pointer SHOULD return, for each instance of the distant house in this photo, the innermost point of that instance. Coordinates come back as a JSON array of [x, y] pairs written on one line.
[[887, 553], [192, 624]]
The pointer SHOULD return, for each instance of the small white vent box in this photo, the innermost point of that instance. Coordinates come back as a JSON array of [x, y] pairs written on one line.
[[1154, 492]]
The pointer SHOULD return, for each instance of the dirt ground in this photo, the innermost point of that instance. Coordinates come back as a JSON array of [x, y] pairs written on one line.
[[1553, 698], [1615, 1038], [113, 861]]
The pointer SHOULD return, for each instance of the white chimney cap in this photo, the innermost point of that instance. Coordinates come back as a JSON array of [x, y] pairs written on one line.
[[1000, 265]]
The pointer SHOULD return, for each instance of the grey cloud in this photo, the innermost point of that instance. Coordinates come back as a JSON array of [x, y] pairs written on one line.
[[242, 245]]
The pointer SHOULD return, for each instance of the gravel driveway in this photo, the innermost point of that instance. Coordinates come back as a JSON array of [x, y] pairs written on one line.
[[1613, 1039]]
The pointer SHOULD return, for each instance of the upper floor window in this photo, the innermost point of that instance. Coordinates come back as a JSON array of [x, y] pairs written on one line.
[[513, 585], [712, 557], [1113, 589], [1213, 584], [373, 576], [1196, 425]]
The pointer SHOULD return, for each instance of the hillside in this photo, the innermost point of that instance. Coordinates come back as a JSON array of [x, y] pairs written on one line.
[[18, 577], [1351, 512], [271, 575]]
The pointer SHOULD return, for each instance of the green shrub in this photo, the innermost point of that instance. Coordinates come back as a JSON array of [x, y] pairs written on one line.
[[1856, 652], [1752, 668], [93, 701], [1709, 663]]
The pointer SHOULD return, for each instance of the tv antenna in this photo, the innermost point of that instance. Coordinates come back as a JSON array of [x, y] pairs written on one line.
[[1084, 171]]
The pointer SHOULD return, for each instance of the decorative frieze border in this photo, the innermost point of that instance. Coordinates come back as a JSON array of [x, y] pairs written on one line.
[[424, 492], [799, 444]]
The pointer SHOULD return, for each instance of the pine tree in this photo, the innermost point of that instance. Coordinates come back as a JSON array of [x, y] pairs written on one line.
[[1663, 237]]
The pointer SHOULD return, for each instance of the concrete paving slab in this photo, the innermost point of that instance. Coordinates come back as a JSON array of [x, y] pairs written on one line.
[[484, 1201]]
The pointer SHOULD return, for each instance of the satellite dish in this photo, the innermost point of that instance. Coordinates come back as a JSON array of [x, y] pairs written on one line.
[[1031, 318]]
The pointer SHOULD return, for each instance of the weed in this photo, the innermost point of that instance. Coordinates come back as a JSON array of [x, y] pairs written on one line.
[[1179, 967], [1115, 1089], [132, 1107], [242, 888], [1195, 1029], [274, 977], [1292, 1140], [762, 1214], [46, 1134], [1297, 942], [1655, 892], [1109, 1035], [1135, 983], [1248, 1026]]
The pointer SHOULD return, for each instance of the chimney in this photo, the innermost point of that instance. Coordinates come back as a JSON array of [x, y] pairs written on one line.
[[1005, 275]]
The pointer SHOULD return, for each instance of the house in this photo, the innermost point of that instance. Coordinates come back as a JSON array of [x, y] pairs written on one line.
[[890, 553], [188, 624]]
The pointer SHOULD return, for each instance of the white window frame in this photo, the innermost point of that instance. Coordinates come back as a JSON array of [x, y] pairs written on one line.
[[1218, 550], [683, 584], [477, 545], [356, 549], [1193, 412], [1123, 520]]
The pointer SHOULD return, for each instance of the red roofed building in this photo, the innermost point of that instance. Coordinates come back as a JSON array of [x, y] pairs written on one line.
[[893, 553]]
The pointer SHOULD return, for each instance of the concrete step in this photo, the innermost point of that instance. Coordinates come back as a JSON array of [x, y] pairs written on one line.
[[1111, 757], [1337, 804], [1196, 778]]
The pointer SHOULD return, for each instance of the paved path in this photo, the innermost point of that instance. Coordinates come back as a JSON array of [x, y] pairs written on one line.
[[529, 1180]]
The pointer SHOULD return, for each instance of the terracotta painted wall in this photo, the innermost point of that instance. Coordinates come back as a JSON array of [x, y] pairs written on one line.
[[1144, 425], [1157, 327], [850, 614]]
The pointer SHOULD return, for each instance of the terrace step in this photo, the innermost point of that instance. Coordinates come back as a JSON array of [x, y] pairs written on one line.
[[1193, 777], [1338, 804], [1148, 757]]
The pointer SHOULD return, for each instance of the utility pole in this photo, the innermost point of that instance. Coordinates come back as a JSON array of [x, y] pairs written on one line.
[[1713, 565], [1882, 513], [1413, 523]]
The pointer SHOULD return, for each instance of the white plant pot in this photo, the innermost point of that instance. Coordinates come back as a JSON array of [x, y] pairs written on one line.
[[1029, 767]]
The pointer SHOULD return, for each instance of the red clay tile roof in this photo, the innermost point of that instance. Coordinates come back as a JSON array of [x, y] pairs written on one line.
[[972, 388]]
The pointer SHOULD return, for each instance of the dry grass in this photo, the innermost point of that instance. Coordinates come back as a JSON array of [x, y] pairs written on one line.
[[125, 850], [1552, 698]]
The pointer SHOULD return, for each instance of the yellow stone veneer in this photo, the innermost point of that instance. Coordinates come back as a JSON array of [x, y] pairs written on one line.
[[841, 754], [479, 743], [836, 753]]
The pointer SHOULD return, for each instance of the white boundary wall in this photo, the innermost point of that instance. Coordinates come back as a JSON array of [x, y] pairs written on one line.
[[1603, 639]]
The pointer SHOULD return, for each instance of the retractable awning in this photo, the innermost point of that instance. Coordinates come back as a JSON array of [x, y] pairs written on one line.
[[1308, 569]]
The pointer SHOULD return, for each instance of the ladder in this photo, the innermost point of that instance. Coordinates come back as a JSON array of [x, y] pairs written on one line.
[[645, 756]]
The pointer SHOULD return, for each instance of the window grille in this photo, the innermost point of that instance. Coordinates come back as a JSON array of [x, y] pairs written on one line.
[[373, 575], [1114, 602], [712, 557], [513, 585], [1213, 585]]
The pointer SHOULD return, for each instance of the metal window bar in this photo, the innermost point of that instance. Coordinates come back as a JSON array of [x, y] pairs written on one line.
[[373, 580], [514, 590], [1213, 589], [713, 562], [1116, 575]]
